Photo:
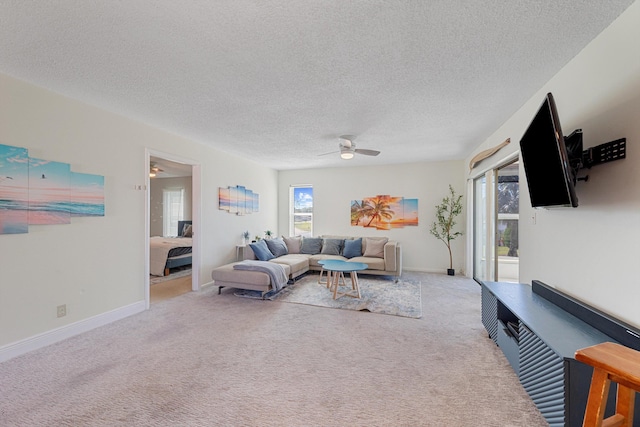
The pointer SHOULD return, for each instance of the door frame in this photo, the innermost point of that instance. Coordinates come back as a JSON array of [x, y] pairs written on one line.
[[490, 256], [196, 203]]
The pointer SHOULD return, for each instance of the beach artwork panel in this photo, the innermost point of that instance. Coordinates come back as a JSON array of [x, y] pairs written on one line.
[[384, 212], [14, 190], [224, 198], [49, 192], [238, 200], [87, 195]]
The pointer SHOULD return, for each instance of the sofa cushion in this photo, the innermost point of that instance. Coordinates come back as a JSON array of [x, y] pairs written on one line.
[[293, 244], [227, 275], [297, 263], [311, 245], [372, 263], [277, 246], [313, 260], [374, 247], [352, 248], [261, 250], [332, 246]]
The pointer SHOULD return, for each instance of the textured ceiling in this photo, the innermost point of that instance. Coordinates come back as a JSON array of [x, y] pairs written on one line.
[[279, 81]]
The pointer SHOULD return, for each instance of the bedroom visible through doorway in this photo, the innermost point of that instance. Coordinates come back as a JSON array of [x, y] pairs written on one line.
[[170, 228]]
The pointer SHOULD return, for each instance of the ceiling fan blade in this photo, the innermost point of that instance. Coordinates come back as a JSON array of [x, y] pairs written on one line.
[[325, 154], [367, 152]]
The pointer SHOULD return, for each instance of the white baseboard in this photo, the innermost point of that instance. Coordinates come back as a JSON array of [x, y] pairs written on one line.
[[35, 342]]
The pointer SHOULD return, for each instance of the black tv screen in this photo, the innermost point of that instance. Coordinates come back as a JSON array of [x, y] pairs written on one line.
[[550, 178]]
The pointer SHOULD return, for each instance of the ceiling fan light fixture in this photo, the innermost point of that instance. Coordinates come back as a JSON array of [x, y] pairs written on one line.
[[152, 174], [346, 155]]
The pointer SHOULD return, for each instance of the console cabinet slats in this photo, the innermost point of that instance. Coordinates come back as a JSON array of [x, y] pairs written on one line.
[[542, 376], [489, 317]]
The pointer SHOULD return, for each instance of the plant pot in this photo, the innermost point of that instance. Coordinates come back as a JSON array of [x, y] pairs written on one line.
[[451, 271]]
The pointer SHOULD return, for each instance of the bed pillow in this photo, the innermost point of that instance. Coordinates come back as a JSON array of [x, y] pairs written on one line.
[[374, 248], [187, 230], [277, 247], [332, 246], [293, 244], [352, 248], [261, 250], [311, 245]]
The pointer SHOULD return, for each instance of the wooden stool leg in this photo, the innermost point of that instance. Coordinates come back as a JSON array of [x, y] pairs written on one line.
[[624, 404], [597, 400]]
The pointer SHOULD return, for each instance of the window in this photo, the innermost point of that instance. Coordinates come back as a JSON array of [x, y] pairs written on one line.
[[301, 211], [172, 211]]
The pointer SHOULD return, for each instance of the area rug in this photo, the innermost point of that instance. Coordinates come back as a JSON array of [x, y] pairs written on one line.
[[175, 274], [379, 295]]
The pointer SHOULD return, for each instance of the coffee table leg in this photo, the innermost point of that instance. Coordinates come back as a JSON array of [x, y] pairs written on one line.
[[354, 283]]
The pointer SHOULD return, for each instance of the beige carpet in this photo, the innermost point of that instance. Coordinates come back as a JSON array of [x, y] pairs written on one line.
[[203, 359]]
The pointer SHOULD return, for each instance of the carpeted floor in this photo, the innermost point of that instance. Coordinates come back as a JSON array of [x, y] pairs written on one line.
[[203, 359]]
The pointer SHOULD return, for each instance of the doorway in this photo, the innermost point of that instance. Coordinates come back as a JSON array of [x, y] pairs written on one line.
[[173, 194], [496, 199]]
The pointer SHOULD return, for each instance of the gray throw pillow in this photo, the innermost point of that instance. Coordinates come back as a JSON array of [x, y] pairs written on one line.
[[261, 250], [352, 248], [332, 246], [311, 245], [277, 246]]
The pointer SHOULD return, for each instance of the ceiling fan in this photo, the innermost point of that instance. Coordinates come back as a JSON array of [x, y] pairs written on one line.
[[154, 170], [348, 148]]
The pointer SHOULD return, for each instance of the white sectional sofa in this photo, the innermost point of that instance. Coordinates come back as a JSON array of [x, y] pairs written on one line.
[[299, 255]]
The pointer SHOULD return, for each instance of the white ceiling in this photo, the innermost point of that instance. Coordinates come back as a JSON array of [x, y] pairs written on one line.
[[279, 81]]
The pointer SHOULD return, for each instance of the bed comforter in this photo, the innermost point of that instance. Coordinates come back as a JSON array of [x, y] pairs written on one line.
[[159, 248]]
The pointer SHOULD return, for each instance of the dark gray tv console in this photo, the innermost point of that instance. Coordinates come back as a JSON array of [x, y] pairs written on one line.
[[539, 330]]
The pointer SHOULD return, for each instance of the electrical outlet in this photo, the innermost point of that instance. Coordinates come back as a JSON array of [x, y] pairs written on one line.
[[62, 310]]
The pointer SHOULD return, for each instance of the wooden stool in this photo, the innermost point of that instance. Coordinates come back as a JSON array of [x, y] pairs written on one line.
[[617, 363]]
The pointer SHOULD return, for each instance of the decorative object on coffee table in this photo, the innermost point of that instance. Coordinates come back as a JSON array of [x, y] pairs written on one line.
[[442, 228]]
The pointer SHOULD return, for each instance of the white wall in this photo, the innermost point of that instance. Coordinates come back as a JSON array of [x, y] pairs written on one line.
[[335, 188], [96, 265], [156, 204], [592, 251]]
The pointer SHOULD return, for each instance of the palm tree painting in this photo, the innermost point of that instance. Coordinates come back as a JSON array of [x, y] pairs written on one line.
[[384, 212]]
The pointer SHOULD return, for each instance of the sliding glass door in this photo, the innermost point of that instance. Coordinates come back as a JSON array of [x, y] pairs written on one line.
[[496, 197]]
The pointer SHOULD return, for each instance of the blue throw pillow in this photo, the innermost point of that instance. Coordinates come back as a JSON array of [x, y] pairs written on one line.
[[352, 248], [311, 245], [277, 246], [261, 250]]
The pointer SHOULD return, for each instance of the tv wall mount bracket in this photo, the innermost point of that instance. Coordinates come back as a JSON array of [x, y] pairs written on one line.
[[604, 153], [600, 154]]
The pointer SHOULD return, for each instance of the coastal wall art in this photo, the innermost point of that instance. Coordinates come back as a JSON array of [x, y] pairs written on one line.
[[238, 200], [40, 192], [384, 212]]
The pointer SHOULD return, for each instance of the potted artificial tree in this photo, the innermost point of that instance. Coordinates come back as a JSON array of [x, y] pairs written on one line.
[[442, 228]]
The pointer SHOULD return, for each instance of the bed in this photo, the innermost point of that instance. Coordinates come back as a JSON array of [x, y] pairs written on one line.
[[166, 253]]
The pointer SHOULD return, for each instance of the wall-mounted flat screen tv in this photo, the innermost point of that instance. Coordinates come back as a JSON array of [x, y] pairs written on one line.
[[547, 166]]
